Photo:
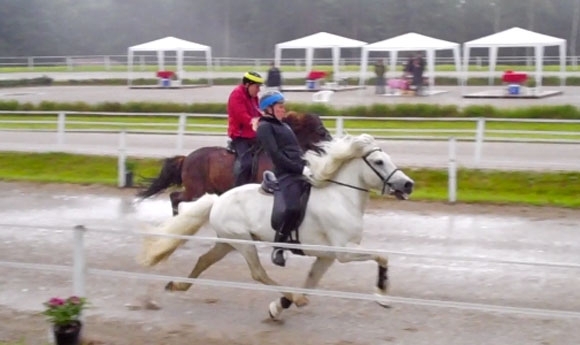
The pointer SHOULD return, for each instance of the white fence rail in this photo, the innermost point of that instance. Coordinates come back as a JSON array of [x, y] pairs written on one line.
[[183, 121], [80, 270], [149, 60]]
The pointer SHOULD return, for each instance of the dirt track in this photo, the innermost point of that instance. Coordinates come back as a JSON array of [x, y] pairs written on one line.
[[209, 315]]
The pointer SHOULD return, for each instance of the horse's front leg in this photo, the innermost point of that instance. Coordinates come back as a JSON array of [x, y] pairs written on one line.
[[383, 268]]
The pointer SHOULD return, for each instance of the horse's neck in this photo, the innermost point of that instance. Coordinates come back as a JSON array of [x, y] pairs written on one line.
[[349, 174]]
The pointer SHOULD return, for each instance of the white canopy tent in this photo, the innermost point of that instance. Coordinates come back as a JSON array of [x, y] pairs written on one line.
[[517, 37], [410, 42], [169, 44], [319, 40]]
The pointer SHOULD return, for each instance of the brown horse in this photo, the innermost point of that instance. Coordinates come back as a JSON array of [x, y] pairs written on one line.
[[211, 169]]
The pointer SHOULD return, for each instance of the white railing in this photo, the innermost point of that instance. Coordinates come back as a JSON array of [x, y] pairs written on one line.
[[144, 61], [80, 271], [180, 127]]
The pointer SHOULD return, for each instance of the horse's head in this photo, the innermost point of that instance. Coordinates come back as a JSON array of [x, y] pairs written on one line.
[[309, 130], [369, 166], [381, 173]]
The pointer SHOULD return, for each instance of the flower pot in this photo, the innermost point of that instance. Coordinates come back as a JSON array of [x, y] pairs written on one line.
[[68, 334]]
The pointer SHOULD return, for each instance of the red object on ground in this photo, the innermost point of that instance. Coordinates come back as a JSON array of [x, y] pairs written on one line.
[[514, 77], [165, 74], [313, 75]]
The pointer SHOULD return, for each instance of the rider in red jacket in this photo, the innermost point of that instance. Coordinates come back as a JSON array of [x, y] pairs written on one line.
[[243, 113]]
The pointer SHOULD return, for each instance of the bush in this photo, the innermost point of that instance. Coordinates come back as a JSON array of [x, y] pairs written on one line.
[[373, 110]]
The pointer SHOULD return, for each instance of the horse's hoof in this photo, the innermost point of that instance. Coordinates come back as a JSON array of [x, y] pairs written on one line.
[[170, 286], [274, 311], [381, 300], [301, 301]]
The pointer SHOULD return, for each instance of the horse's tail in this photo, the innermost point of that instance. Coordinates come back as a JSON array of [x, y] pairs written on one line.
[[170, 175], [186, 223]]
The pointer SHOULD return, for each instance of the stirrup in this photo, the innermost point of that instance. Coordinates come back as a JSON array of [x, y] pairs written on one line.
[[279, 257]]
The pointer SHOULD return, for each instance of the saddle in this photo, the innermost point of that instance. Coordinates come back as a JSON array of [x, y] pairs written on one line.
[[270, 186], [255, 151]]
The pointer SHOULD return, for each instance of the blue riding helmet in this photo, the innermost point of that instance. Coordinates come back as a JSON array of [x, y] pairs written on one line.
[[270, 98]]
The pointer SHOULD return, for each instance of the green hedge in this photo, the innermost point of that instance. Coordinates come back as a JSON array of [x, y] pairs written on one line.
[[373, 110]]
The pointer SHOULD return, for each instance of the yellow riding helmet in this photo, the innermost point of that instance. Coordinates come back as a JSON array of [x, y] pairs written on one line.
[[252, 78]]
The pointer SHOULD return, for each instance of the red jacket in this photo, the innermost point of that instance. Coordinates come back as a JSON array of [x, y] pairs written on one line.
[[241, 109]]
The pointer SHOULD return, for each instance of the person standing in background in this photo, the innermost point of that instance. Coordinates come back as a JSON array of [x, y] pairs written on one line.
[[274, 79], [380, 73]]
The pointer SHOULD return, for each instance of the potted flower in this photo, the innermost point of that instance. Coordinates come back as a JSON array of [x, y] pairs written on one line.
[[64, 315]]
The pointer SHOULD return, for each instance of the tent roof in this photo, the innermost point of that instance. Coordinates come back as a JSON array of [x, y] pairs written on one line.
[[515, 37], [411, 41], [322, 40], [169, 43]]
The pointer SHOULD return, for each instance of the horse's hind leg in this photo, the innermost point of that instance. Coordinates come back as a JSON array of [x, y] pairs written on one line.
[[259, 274], [215, 254]]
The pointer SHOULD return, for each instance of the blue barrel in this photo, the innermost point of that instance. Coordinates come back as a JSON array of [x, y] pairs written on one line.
[[311, 84], [165, 82], [514, 89]]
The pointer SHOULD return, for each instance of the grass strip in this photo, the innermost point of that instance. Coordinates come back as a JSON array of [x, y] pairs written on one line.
[[560, 189]]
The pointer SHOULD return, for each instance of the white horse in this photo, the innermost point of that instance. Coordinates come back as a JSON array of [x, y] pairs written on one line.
[[342, 178]]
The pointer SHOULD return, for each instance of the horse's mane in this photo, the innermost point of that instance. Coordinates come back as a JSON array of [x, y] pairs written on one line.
[[306, 128], [325, 165]]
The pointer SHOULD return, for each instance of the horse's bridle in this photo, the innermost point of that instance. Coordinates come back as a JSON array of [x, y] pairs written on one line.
[[385, 180]]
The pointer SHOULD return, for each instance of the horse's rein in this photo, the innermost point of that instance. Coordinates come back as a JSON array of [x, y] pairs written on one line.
[[385, 180]]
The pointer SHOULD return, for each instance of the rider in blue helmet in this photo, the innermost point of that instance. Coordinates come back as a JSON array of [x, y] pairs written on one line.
[[269, 99], [279, 141]]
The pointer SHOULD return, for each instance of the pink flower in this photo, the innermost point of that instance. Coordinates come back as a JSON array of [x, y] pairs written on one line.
[[55, 302], [74, 300]]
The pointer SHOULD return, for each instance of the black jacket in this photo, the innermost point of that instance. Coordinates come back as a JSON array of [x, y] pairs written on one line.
[[274, 77], [279, 141]]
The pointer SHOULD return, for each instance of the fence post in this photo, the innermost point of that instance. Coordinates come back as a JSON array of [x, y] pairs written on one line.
[[31, 63], [79, 263], [122, 159], [479, 138], [181, 131], [339, 130], [452, 171], [60, 128], [107, 61]]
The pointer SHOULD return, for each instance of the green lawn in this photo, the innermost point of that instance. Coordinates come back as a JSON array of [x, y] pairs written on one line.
[[474, 186]]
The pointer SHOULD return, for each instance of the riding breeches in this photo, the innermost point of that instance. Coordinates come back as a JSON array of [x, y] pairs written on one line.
[[243, 165], [291, 187]]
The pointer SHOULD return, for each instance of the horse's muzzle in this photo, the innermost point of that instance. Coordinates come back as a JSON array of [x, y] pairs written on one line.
[[404, 191]]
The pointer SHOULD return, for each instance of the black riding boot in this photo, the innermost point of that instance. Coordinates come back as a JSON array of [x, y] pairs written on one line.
[[278, 252]]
